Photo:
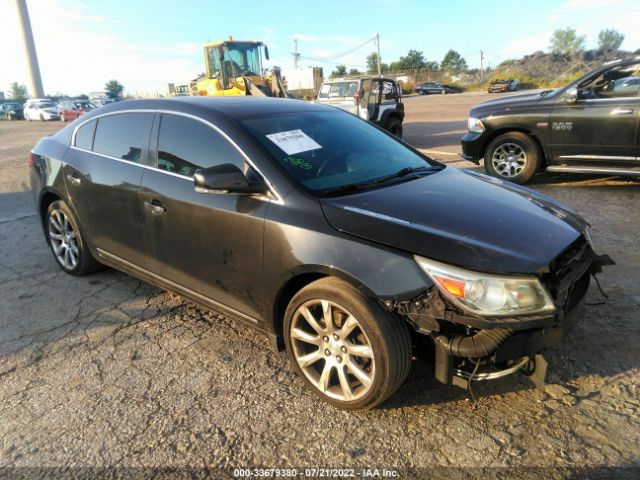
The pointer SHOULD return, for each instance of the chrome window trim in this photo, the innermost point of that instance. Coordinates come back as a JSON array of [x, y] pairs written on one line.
[[277, 198]]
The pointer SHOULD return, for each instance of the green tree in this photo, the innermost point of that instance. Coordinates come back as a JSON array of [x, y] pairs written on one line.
[[610, 39], [453, 61], [17, 91], [113, 88], [372, 64], [355, 71], [340, 71], [565, 41]]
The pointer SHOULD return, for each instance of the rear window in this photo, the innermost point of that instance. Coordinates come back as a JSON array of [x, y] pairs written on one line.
[[338, 90], [123, 135], [84, 135]]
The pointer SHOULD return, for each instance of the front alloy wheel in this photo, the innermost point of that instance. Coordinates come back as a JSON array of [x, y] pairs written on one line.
[[513, 156], [509, 160], [332, 350], [348, 350]]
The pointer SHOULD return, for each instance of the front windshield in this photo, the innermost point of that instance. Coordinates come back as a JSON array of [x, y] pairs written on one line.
[[243, 59], [324, 151]]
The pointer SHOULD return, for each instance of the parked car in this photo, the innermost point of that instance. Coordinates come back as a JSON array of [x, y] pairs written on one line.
[[11, 111], [504, 85], [322, 231], [40, 109], [101, 102], [435, 87], [589, 126], [72, 109], [378, 100]]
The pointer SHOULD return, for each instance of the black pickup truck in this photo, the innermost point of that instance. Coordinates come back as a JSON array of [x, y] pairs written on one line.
[[589, 126]]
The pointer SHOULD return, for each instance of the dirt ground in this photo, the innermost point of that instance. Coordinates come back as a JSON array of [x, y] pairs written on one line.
[[106, 375]]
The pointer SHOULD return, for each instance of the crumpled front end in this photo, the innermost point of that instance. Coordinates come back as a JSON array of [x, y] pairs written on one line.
[[470, 347]]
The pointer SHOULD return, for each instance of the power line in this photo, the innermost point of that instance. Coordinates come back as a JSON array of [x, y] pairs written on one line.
[[329, 61]]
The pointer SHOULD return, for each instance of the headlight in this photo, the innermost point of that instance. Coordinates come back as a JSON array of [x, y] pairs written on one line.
[[488, 295], [474, 125]]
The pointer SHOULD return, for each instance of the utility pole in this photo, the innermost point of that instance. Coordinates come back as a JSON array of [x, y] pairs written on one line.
[[481, 65], [296, 55], [378, 45], [30, 50]]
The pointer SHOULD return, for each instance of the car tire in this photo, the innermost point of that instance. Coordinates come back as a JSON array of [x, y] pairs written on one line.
[[67, 242], [512, 156], [366, 365], [26, 117], [41, 118], [394, 126], [443, 91], [62, 118]]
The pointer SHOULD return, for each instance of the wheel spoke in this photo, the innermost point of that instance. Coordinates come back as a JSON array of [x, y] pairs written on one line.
[[311, 320], [54, 221], [323, 383], [327, 313], [67, 257], [360, 351], [348, 326], [57, 247], [344, 383], [360, 374], [56, 236], [310, 358], [306, 337]]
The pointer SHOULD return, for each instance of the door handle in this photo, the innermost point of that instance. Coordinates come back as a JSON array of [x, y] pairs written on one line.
[[155, 207], [74, 179], [621, 111]]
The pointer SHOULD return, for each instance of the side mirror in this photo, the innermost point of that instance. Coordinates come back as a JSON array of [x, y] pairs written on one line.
[[266, 52], [571, 95], [225, 178]]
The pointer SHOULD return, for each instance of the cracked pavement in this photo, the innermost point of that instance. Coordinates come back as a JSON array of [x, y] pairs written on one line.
[[106, 371]]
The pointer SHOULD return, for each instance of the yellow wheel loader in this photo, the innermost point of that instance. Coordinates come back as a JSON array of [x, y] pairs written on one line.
[[234, 68]]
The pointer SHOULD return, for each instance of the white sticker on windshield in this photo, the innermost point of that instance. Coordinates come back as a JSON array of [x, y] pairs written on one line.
[[293, 141]]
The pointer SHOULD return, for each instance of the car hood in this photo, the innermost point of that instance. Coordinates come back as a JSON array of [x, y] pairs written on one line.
[[461, 218], [506, 103]]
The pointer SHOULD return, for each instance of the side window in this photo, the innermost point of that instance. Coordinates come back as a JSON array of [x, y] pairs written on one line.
[[389, 92], [122, 135], [615, 83], [184, 145], [84, 135]]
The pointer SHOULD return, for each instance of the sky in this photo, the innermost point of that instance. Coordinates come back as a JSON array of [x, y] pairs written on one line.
[[147, 43]]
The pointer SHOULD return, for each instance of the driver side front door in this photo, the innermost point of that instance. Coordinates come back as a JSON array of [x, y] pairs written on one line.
[[602, 127]]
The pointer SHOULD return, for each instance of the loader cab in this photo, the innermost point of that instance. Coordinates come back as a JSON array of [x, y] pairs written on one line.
[[229, 62]]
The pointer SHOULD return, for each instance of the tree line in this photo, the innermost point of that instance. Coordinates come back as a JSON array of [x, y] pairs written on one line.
[[19, 92], [563, 42]]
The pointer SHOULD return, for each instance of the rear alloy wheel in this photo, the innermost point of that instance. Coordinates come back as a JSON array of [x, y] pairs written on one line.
[[348, 350], [512, 156], [67, 244]]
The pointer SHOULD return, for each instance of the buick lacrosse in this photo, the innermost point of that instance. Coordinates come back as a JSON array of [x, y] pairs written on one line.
[[335, 239]]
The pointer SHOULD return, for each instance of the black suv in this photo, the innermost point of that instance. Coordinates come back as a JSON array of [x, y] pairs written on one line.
[[589, 126]]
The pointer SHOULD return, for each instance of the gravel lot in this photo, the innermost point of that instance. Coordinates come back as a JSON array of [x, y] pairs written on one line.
[[108, 372]]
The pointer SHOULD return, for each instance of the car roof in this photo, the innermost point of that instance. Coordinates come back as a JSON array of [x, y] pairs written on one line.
[[233, 107]]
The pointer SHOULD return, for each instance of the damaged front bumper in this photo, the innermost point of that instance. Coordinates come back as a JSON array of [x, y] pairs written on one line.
[[469, 347]]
